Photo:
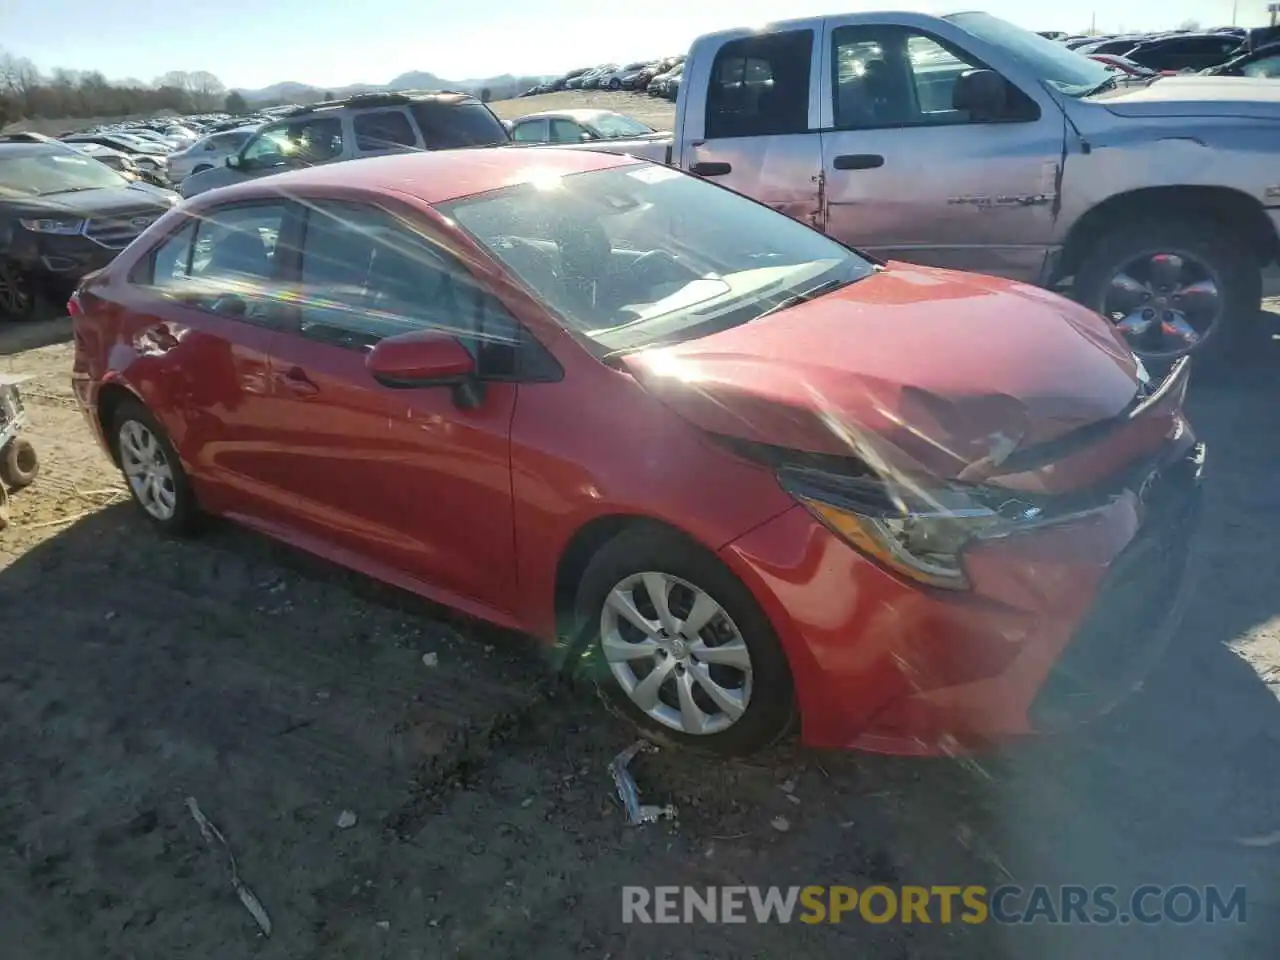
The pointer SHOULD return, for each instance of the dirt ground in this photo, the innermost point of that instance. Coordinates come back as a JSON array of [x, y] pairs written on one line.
[[278, 692]]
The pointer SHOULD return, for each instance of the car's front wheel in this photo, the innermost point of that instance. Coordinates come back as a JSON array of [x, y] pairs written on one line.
[[680, 647], [19, 298], [151, 467]]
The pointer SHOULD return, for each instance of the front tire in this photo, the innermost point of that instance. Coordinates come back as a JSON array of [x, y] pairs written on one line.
[[615, 84], [679, 646], [153, 471], [19, 297], [1188, 286]]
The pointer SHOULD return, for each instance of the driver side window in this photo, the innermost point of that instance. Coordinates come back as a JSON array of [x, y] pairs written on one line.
[[895, 77]]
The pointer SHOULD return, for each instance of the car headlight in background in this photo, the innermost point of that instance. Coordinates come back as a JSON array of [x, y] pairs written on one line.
[[917, 533], [59, 226]]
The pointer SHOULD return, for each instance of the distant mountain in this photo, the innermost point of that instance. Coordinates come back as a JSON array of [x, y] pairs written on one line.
[[289, 91]]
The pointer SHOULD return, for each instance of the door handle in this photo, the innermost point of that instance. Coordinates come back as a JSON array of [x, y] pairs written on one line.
[[710, 168], [858, 161], [296, 381]]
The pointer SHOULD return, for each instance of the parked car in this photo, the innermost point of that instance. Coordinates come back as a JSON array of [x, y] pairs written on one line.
[[208, 152], [1126, 67], [579, 126], [622, 78], [120, 162], [1188, 52], [695, 441], [62, 214], [147, 155], [361, 126], [591, 79], [660, 86], [1263, 63], [1164, 230]]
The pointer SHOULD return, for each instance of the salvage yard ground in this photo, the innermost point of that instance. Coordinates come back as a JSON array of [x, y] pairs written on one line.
[[279, 692]]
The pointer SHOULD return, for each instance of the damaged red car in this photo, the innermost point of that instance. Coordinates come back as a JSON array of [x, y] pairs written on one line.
[[739, 472]]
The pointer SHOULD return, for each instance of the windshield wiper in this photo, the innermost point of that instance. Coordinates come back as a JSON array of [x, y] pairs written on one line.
[[805, 296], [1103, 87], [50, 193]]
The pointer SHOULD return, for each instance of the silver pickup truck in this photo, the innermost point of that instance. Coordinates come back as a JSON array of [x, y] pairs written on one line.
[[967, 142]]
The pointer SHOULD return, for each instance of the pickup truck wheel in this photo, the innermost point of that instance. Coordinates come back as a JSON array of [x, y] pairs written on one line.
[[1174, 288]]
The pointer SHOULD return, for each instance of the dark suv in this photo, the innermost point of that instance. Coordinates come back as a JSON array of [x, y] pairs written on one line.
[[368, 125], [62, 215]]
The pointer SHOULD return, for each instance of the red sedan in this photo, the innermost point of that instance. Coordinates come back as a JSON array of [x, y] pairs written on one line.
[[738, 469]]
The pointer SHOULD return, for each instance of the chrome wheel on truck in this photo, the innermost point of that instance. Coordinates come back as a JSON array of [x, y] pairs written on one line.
[[1176, 288]]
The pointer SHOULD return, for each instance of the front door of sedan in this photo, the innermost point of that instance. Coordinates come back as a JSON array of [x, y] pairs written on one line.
[[751, 122], [908, 177], [209, 295], [410, 485]]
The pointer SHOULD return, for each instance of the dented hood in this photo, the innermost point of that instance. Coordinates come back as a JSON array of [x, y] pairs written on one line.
[[926, 370]]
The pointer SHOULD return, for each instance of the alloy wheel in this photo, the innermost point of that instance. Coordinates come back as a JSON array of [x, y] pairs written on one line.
[[147, 468], [15, 292], [1165, 304], [676, 653]]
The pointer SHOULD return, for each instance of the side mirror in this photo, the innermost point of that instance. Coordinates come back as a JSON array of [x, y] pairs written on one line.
[[983, 93], [425, 358], [586, 136], [234, 162]]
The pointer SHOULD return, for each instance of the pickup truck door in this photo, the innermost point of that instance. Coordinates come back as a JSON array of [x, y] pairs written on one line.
[[748, 116], [908, 177]]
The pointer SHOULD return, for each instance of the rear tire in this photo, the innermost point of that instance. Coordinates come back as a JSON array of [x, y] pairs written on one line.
[[153, 471], [19, 465], [1220, 251], [726, 674]]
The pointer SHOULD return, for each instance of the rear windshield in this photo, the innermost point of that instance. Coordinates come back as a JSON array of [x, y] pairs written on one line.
[[449, 125]]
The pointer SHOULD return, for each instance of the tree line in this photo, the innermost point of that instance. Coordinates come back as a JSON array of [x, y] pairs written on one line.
[[26, 93]]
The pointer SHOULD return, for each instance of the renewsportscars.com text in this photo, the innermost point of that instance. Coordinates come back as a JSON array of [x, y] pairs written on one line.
[[942, 904]]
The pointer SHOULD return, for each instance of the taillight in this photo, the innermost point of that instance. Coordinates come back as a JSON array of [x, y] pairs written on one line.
[[75, 309]]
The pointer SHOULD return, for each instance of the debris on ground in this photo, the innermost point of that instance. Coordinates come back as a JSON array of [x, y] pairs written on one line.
[[211, 835], [347, 819], [629, 793]]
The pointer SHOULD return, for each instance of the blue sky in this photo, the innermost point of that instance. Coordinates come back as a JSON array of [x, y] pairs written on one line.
[[251, 43]]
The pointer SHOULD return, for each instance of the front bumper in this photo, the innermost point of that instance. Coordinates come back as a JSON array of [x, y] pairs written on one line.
[[1061, 622]]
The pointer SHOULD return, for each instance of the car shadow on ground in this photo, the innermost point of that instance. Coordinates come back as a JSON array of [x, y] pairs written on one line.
[[135, 671]]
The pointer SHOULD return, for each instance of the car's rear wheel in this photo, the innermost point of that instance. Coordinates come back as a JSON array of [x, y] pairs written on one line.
[[1174, 288], [151, 467], [19, 464], [680, 647]]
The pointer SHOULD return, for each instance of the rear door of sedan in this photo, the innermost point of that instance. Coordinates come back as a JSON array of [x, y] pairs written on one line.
[[404, 483], [205, 306]]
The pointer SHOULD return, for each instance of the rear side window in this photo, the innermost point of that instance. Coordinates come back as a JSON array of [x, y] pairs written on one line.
[[448, 125], [171, 263], [531, 131], [383, 130], [760, 86]]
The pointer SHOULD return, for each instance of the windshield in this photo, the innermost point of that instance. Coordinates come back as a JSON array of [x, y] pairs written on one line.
[[643, 254], [616, 125], [1065, 70], [40, 171]]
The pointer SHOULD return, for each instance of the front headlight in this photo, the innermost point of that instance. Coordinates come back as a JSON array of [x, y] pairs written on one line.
[[918, 533], [59, 226]]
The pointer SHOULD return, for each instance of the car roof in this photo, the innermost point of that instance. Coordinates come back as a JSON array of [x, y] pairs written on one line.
[[582, 115], [436, 176]]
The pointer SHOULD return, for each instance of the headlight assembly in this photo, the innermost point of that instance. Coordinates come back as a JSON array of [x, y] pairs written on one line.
[[59, 226], [918, 533]]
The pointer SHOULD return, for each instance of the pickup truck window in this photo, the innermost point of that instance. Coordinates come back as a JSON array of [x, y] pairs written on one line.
[[889, 77], [641, 254], [760, 86]]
